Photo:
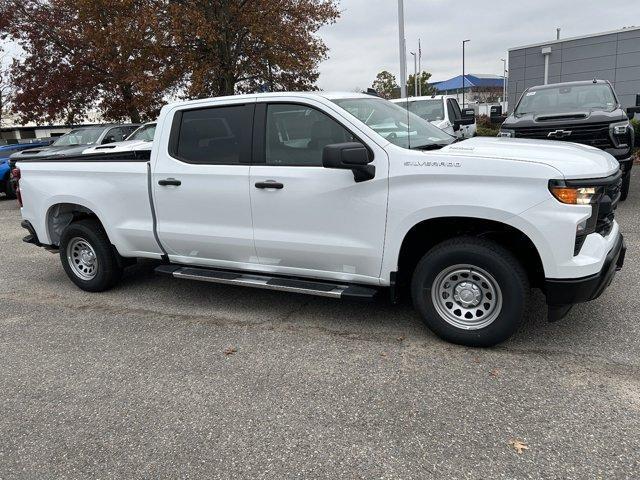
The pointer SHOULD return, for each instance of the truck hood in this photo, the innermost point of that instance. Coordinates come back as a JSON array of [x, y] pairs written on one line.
[[560, 120], [124, 146], [49, 151], [572, 160]]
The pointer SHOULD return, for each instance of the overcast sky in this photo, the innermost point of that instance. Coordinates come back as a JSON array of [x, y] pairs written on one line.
[[364, 41]]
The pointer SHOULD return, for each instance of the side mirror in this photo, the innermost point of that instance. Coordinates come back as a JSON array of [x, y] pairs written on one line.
[[631, 112], [468, 113], [349, 156]]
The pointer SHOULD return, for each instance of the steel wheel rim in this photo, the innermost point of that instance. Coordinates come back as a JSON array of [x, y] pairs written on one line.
[[467, 297], [82, 258]]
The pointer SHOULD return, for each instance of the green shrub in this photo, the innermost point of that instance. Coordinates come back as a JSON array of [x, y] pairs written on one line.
[[487, 132], [636, 127]]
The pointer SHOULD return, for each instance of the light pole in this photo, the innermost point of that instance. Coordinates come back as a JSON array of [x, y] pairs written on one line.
[[463, 78], [420, 68], [403, 51], [415, 74], [504, 81]]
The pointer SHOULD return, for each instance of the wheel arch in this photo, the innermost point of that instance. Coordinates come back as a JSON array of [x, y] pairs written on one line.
[[60, 215], [424, 235]]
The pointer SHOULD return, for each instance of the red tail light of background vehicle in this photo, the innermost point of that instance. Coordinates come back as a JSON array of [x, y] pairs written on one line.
[[15, 177]]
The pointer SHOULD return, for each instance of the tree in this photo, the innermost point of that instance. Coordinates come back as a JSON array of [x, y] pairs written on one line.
[[423, 83], [385, 84], [5, 87], [232, 46], [85, 54]]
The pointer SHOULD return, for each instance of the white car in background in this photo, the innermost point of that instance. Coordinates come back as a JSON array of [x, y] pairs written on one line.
[[140, 139], [444, 112]]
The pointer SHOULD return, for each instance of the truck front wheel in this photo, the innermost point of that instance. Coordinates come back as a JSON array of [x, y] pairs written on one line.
[[470, 291], [88, 256]]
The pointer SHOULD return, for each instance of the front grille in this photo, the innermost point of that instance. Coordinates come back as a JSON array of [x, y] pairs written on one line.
[[604, 210], [594, 134], [607, 207]]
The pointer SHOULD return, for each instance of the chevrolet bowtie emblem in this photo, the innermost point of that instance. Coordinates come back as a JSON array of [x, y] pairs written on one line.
[[559, 134]]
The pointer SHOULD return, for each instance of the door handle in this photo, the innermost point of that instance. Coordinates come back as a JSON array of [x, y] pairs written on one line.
[[270, 184], [170, 181]]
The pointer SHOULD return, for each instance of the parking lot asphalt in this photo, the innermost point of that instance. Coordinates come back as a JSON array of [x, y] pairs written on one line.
[[135, 382]]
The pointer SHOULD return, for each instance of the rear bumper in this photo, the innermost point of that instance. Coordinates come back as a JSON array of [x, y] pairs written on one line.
[[33, 236], [565, 292]]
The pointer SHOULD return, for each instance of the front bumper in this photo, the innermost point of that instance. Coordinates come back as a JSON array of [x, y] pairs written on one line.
[[562, 293], [626, 164]]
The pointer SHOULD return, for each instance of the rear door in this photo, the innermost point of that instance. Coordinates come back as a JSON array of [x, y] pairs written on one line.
[[201, 185], [318, 221]]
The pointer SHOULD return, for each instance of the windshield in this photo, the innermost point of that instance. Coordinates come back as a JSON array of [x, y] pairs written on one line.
[[144, 133], [81, 136], [563, 99], [430, 110], [401, 127]]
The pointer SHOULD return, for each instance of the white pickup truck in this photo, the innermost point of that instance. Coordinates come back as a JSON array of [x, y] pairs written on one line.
[[339, 195]]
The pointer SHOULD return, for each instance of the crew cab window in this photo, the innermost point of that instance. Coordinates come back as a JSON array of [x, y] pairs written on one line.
[[297, 134], [454, 110], [217, 135]]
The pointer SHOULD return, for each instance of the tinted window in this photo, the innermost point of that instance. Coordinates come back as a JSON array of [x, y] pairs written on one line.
[[454, 110], [296, 135], [219, 135]]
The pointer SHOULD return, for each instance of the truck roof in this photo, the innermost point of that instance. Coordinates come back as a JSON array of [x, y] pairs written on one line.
[[570, 84], [252, 96]]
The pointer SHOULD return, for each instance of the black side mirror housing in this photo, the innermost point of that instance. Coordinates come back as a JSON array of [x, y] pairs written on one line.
[[468, 113], [350, 156], [631, 112]]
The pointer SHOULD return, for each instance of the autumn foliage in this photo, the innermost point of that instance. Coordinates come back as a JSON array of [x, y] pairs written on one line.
[[126, 57]]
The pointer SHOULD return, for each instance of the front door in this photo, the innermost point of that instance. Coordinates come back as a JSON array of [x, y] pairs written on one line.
[[310, 220], [201, 186]]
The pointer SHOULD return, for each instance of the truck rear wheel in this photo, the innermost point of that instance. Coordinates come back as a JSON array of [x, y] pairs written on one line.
[[88, 256], [470, 291]]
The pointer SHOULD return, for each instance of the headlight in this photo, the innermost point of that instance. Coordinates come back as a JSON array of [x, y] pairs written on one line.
[[507, 133], [574, 195], [619, 129]]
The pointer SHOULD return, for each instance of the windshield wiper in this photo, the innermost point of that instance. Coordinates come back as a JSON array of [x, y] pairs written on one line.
[[430, 146]]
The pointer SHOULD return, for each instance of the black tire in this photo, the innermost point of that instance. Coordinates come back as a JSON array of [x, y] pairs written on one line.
[[9, 189], [105, 259], [626, 183], [487, 257]]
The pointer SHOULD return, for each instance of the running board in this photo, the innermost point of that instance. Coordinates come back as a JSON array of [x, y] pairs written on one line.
[[308, 287]]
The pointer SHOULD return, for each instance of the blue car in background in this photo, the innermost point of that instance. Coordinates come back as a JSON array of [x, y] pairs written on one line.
[[5, 170]]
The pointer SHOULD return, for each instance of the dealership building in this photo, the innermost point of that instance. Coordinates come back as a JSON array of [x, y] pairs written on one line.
[[613, 56]]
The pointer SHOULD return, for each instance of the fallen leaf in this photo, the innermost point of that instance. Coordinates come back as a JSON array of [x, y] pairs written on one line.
[[400, 339], [518, 445], [230, 350], [476, 359], [383, 354], [495, 372]]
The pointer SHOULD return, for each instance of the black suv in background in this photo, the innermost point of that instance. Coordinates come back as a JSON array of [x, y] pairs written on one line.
[[585, 112]]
